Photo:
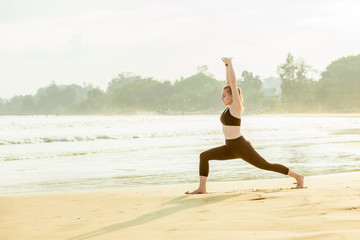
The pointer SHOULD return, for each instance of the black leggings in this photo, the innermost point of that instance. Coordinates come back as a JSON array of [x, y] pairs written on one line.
[[237, 148]]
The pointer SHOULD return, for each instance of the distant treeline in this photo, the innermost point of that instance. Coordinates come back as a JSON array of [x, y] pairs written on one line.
[[337, 90]]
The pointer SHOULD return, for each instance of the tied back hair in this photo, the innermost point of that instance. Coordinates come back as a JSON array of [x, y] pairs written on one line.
[[228, 88]]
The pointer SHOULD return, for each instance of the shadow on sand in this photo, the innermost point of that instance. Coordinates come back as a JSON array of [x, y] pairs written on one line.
[[181, 203]]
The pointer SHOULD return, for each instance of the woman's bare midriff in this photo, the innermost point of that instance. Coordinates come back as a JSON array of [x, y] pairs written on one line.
[[231, 132]]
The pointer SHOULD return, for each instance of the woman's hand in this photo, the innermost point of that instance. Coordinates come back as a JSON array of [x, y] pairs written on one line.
[[226, 60]]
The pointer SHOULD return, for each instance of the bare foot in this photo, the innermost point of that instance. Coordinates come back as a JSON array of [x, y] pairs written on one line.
[[197, 191], [300, 182]]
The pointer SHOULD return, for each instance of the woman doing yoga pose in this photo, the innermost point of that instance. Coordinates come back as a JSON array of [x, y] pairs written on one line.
[[236, 146]]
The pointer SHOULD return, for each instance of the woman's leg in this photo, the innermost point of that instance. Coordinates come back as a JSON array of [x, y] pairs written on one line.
[[249, 154], [255, 159], [218, 153]]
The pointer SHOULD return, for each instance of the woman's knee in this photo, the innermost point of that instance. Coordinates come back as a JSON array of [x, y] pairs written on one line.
[[204, 157]]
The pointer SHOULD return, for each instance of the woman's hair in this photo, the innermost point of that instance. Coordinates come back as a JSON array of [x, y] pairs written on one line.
[[228, 88]]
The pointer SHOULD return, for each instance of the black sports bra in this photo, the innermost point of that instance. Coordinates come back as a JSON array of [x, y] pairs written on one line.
[[228, 119]]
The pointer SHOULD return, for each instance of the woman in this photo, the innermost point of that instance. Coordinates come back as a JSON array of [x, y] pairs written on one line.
[[236, 146]]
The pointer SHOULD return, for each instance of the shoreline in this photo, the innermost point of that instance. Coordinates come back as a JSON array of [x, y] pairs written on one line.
[[328, 208], [63, 185], [214, 183]]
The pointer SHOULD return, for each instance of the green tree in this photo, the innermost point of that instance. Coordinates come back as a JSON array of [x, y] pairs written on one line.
[[205, 70], [121, 80], [18, 105], [55, 99], [254, 99], [297, 89], [119, 94], [339, 86], [95, 102], [144, 94], [249, 81], [2, 106], [197, 92]]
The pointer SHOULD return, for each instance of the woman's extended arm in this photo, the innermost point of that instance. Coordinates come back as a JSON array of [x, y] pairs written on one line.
[[226, 61], [231, 81]]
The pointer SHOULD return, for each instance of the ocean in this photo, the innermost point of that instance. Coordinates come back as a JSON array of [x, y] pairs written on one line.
[[41, 154]]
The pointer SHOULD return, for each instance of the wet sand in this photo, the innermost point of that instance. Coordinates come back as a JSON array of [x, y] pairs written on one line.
[[329, 208]]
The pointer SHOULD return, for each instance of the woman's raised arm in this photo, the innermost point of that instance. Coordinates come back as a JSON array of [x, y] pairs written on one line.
[[236, 106]]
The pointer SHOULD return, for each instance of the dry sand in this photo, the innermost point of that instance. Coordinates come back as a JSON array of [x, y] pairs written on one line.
[[329, 208]]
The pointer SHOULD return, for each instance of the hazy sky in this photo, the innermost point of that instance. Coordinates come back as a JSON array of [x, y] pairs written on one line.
[[77, 41]]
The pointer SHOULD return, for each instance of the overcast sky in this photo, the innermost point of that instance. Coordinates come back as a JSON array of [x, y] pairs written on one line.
[[77, 41]]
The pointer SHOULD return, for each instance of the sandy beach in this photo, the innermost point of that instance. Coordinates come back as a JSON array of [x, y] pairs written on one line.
[[328, 208]]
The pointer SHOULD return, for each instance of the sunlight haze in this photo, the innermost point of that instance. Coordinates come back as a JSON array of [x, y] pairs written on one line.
[[93, 41]]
